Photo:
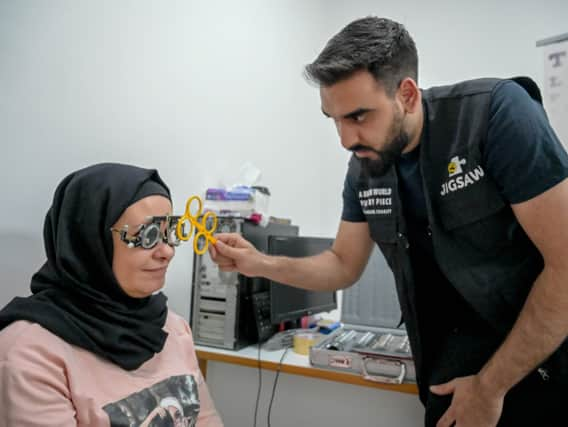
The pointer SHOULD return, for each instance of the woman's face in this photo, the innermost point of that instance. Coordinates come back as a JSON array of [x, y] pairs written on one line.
[[141, 272]]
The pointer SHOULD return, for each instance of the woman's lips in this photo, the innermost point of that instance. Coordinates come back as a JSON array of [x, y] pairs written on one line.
[[159, 270]]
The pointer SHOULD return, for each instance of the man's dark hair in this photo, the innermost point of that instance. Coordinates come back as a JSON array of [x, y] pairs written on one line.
[[378, 45]]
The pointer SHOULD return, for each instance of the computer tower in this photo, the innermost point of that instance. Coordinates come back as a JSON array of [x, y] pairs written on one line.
[[226, 309]]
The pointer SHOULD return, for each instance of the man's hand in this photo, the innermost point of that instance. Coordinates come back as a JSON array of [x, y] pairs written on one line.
[[234, 253], [472, 404]]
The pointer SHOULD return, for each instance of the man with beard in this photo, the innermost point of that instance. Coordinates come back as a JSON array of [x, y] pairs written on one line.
[[463, 188]]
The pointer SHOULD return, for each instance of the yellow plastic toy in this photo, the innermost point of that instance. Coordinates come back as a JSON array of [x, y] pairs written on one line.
[[204, 234]]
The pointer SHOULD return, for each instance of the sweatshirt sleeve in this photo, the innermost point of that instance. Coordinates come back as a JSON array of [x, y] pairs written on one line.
[[34, 390], [208, 416]]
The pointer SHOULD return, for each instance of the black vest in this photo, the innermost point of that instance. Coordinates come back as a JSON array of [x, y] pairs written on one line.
[[478, 243]]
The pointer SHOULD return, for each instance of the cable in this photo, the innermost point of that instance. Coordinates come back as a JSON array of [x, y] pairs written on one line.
[[259, 385], [275, 382]]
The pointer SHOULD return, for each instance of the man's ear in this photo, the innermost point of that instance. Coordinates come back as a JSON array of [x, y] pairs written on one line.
[[409, 95]]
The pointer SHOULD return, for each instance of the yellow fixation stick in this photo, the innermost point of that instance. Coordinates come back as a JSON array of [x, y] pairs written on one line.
[[204, 228]]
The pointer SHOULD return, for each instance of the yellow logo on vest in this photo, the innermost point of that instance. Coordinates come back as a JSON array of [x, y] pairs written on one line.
[[455, 166], [464, 179]]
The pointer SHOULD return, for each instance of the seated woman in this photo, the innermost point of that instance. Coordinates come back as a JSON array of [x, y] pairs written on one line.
[[95, 343]]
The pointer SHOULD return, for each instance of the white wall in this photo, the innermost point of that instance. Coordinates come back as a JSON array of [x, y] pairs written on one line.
[[195, 89], [190, 88], [458, 40]]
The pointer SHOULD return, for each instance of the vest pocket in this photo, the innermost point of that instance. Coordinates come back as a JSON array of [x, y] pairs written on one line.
[[465, 211], [483, 227]]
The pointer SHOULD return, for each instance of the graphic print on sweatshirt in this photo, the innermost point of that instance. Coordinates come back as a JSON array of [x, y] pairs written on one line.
[[171, 402]]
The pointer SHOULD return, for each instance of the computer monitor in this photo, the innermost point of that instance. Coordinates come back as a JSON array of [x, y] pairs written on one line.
[[288, 303]]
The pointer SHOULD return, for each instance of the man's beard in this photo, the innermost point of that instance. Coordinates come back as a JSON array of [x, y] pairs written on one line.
[[375, 168]]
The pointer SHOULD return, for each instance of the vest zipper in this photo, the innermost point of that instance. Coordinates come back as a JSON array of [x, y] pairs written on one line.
[[404, 240]]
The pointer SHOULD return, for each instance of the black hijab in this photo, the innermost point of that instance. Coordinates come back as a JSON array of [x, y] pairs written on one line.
[[75, 295]]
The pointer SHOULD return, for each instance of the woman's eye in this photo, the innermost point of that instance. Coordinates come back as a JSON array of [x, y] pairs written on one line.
[[139, 230]]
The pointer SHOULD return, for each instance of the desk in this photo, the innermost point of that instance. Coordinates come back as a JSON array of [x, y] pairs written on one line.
[[293, 363]]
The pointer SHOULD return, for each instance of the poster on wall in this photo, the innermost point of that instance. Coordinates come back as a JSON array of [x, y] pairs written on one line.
[[555, 88]]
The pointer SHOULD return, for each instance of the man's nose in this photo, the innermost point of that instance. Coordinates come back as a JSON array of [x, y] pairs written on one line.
[[347, 135]]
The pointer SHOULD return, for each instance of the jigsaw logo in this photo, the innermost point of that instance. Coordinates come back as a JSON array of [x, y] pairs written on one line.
[[455, 166], [459, 177]]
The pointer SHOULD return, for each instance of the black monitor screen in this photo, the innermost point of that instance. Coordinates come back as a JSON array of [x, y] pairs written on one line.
[[290, 303]]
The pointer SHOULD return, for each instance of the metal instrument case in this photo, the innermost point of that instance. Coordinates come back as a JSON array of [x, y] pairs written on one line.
[[369, 343]]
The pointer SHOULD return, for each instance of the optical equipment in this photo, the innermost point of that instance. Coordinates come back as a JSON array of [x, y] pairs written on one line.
[[204, 229], [148, 235]]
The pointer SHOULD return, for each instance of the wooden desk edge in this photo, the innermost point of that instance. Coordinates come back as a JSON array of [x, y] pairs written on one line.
[[308, 371]]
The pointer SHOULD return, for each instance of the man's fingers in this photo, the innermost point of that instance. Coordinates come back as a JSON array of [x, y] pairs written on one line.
[[225, 250], [447, 419], [228, 268], [443, 389], [234, 240], [220, 259], [230, 239]]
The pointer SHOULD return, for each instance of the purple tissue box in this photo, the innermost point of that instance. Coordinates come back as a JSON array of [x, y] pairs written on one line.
[[216, 194]]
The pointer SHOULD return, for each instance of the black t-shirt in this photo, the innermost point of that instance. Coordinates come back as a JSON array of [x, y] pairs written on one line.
[[522, 155]]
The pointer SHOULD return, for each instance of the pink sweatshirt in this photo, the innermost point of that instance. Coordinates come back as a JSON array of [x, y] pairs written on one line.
[[45, 381]]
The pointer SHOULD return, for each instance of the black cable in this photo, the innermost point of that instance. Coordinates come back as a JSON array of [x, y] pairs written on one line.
[[275, 382], [259, 385]]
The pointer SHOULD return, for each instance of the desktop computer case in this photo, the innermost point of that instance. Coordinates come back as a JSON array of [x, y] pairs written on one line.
[[222, 312], [369, 343]]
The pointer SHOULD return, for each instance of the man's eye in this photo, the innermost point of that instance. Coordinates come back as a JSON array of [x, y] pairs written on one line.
[[358, 118]]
